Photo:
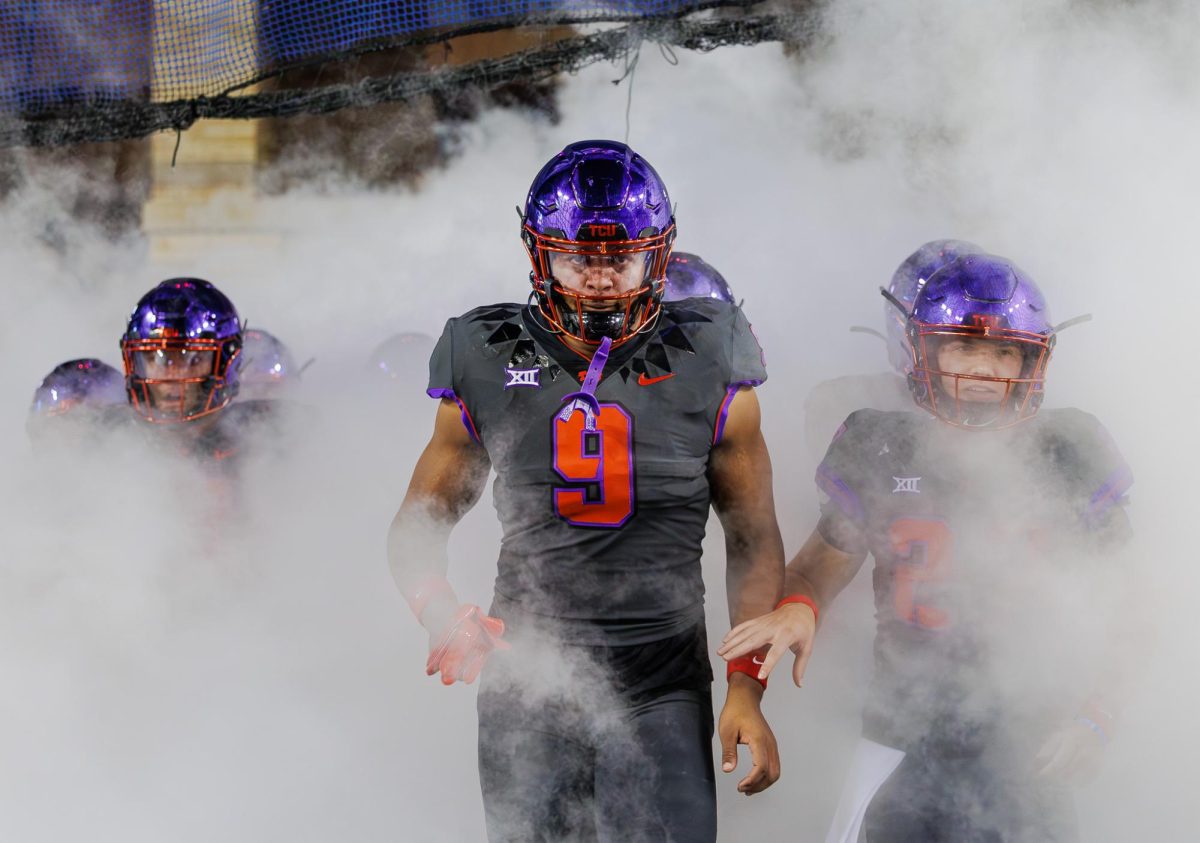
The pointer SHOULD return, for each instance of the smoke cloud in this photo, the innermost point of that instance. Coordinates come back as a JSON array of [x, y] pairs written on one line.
[[172, 674]]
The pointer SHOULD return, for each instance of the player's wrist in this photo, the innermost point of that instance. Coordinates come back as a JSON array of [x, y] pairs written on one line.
[[800, 600], [743, 683], [433, 603], [747, 667]]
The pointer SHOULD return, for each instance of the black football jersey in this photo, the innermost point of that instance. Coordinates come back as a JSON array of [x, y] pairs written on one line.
[[964, 526], [601, 528], [831, 401]]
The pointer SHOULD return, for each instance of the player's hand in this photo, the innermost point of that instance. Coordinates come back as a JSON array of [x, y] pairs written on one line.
[[742, 722], [1071, 755], [791, 626], [460, 650]]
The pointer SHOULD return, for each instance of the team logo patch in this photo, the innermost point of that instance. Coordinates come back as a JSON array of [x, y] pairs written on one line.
[[906, 484], [522, 377]]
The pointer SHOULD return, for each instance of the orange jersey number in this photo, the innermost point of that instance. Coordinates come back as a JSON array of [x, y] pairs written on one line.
[[924, 545], [599, 466]]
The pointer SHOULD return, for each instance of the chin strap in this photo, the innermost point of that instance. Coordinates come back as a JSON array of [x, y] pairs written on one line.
[[585, 399]]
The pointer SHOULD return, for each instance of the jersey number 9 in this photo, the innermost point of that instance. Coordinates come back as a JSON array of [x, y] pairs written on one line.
[[597, 465]]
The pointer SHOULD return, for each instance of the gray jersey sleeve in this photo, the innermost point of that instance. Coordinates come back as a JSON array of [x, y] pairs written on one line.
[[445, 375], [746, 362], [839, 481], [442, 382], [1084, 455]]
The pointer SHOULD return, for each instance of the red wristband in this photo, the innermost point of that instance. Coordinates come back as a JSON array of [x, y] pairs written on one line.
[[800, 598], [749, 664]]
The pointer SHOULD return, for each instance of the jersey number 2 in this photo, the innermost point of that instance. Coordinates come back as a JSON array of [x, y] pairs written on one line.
[[598, 465], [924, 546]]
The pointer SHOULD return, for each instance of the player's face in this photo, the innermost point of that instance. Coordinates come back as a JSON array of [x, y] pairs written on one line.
[[173, 368], [599, 275], [978, 358]]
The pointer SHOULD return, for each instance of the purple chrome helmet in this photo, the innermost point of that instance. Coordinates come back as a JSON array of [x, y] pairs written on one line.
[[182, 351], [978, 298], [80, 384], [906, 282], [688, 276], [598, 204], [402, 357], [267, 364]]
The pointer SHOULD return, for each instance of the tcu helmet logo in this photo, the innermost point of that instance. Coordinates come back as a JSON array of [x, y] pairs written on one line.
[[522, 377], [987, 321], [602, 231], [906, 484]]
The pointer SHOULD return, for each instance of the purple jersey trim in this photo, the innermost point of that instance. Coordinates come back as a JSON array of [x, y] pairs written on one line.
[[468, 422], [1108, 495], [723, 413], [841, 494]]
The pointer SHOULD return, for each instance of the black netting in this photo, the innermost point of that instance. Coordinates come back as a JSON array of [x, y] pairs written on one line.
[[84, 70]]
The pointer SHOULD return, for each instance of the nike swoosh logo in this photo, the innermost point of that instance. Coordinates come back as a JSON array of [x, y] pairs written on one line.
[[645, 381], [757, 659]]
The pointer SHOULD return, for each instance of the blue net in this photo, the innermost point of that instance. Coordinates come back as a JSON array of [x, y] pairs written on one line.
[[75, 70]]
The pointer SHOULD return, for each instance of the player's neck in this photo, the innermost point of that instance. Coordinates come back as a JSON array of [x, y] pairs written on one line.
[[584, 349]]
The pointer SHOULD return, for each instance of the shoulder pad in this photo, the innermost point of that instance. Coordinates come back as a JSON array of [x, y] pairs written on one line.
[[868, 426], [686, 311], [870, 419], [491, 327], [492, 313], [715, 329], [1080, 448]]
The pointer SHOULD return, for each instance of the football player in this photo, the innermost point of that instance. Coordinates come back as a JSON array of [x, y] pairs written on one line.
[[689, 276], [182, 350], [612, 422], [831, 401], [984, 518], [71, 398], [268, 367]]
